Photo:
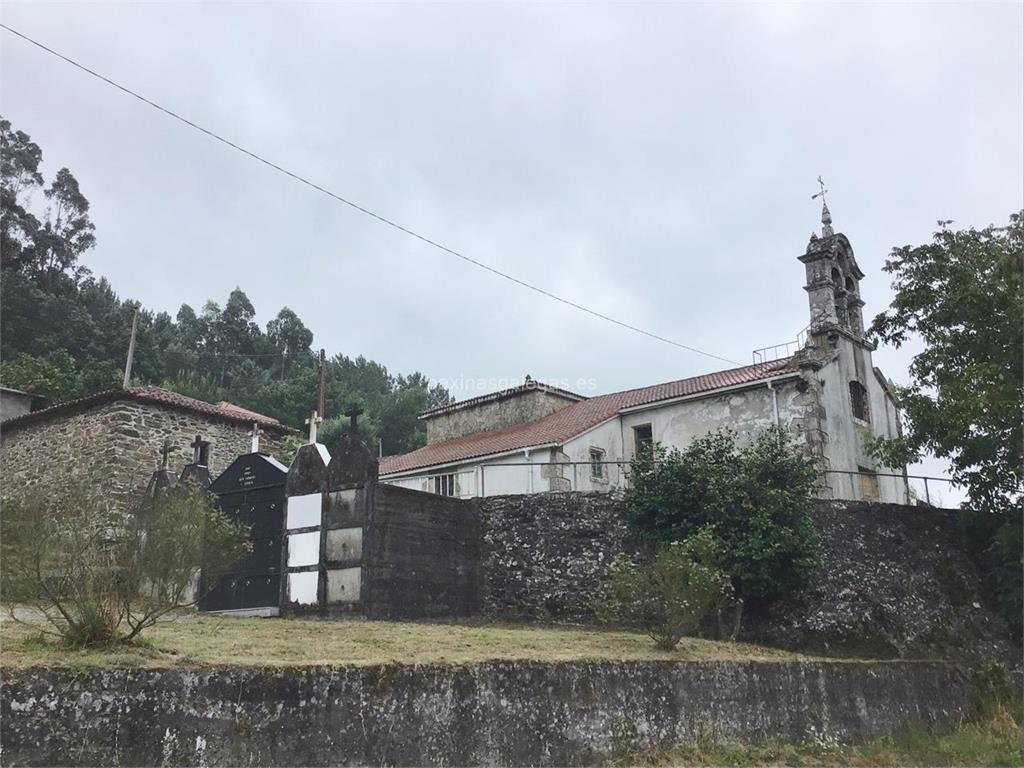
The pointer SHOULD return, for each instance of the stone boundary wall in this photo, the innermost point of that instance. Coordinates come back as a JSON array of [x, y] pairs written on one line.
[[896, 581], [494, 713], [544, 554]]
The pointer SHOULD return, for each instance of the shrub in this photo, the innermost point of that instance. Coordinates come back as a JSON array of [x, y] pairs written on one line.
[[668, 595], [755, 496], [99, 576]]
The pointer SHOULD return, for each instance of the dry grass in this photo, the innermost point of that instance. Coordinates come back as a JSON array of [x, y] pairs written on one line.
[[196, 639], [993, 740]]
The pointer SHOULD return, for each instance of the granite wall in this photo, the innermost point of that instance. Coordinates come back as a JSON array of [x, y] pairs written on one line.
[[494, 713], [545, 554], [120, 441], [896, 581]]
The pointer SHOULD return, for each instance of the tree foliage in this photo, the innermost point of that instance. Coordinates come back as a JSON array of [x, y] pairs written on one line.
[[101, 577], [754, 495], [962, 296], [64, 333], [669, 594]]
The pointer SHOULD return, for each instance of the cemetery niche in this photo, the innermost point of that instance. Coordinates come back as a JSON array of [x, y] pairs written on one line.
[[251, 491]]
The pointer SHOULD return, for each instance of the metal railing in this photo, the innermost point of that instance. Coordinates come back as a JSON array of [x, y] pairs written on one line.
[[767, 354], [478, 480]]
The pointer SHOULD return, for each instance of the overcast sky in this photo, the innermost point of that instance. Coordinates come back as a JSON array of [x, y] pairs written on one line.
[[653, 162]]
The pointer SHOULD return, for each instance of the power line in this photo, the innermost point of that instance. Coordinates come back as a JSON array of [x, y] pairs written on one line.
[[361, 209]]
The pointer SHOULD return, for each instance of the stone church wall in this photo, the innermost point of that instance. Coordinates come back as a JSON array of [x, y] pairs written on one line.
[[520, 408], [119, 441]]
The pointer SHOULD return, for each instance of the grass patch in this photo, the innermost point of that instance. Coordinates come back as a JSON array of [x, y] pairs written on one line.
[[994, 740], [201, 639]]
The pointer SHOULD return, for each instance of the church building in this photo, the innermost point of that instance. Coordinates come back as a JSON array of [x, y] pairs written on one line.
[[536, 438]]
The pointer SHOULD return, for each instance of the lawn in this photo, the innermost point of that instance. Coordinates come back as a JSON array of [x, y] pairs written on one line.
[[203, 639]]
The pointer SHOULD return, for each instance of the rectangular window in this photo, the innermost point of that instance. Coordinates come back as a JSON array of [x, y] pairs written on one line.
[[643, 438], [444, 485], [596, 465], [859, 401]]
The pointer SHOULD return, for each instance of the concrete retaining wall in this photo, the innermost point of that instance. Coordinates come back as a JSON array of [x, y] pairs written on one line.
[[496, 713]]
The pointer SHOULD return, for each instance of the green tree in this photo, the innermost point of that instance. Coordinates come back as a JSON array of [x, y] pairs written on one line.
[[755, 495], [962, 296], [667, 595], [291, 339]]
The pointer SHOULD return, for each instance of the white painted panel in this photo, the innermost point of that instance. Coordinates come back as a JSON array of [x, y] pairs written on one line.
[[303, 549], [302, 587], [304, 511]]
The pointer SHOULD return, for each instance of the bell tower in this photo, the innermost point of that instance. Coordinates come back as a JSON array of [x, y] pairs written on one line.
[[833, 281]]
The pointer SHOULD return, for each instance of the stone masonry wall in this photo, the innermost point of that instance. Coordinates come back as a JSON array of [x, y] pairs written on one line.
[[545, 554], [520, 408], [120, 441], [895, 581], [494, 713]]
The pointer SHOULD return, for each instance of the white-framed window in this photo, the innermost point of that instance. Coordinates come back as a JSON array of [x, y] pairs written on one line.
[[597, 464], [444, 485]]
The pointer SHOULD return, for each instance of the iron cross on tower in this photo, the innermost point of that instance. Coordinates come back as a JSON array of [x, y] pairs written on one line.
[[826, 215]]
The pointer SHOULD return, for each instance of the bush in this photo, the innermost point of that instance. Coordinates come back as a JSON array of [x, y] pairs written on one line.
[[101, 577], [669, 595], [756, 498]]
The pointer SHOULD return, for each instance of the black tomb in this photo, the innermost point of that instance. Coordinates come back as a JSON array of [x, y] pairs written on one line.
[[251, 490]]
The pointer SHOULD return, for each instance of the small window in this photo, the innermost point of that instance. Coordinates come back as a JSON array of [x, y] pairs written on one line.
[[597, 464], [643, 438], [859, 401], [444, 485]]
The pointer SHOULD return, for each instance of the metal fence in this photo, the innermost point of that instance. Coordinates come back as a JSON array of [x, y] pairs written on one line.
[[534, 477]]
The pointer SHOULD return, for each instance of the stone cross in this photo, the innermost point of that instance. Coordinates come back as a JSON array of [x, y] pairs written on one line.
[[255, 435], [312, 421], [165, 452]]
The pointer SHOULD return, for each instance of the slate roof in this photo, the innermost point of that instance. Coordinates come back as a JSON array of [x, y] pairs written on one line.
[[148, 394], [566, 423]]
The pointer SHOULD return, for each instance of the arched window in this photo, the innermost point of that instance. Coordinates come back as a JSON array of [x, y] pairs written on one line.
[[859, 401], [849, 284]]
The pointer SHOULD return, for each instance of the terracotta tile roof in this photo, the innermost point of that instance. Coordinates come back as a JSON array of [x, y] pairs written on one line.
[[224, 405], [148, 394], [566, 423]]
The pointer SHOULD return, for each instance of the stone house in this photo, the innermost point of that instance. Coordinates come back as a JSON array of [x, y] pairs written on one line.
[[120, 434], [827, 394]]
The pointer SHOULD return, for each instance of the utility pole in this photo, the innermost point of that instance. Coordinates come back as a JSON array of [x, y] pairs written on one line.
[[320, 382], [131, 351]]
